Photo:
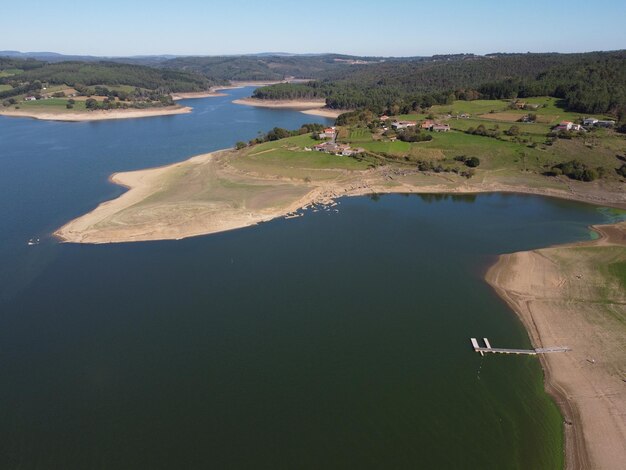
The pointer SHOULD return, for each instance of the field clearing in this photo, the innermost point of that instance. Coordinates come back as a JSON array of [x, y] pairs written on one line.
[[470, 107], [287, 158], [5, 87], [392, 148], [10, 72], [526, 128], [53, 105], [515, 116], [359, 135]]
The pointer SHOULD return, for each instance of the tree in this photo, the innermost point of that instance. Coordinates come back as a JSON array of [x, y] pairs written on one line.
[[513, 130], [91, 103], [472, 162], [240, 145]]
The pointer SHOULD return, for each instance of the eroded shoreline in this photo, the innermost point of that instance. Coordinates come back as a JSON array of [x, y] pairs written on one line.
[[98, 115], [561, 296], [311, 107]]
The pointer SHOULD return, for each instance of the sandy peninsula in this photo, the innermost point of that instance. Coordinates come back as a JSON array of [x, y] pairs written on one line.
[[568, 295], [197, 95], [98, 115], [227, 190], [282, 104]]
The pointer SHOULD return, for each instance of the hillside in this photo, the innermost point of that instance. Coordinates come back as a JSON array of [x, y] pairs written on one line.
[[591, 82], [107, 73], [266, 67]]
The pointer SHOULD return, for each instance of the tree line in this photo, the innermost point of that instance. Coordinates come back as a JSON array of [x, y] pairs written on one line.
[[589, 83]]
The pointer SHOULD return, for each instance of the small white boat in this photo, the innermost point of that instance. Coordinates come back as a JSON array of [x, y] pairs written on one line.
[[33, 241]]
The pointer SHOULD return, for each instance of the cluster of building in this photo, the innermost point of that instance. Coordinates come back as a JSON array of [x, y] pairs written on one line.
[[590, 122], [336, 149], [428, 125], [568, 126], [328, 133], [587, 122]]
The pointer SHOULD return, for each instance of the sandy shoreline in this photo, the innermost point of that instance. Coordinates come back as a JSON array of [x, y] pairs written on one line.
[[282, 104], [562, 298], [311, 107], [99, 115], [198, 94], [88, 228]]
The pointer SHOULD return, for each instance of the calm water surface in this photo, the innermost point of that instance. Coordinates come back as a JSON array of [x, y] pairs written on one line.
[[335, 340]]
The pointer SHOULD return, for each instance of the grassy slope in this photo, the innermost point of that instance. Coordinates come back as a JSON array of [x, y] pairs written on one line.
[[528, 151]]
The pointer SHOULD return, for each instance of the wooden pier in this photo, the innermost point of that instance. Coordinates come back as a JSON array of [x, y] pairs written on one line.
[[488, 349]]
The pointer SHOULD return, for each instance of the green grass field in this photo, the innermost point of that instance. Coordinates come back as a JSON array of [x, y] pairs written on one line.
[[392, 148], [290, 154], [10, 72], [52, 105], [549, 112], [359, 135], [5, 87]]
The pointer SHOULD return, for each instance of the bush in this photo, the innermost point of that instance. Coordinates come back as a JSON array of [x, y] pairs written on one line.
[[622, 170], [413, 134], [513, 130], [240, 145], [471, 162], [576, 170]]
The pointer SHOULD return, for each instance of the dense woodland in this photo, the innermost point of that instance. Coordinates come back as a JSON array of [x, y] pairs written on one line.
[[80, 75], [263, 67], [588, 83]]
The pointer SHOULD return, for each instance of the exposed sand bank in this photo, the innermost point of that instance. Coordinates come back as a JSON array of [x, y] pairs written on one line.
[[566, 295], [311, 107], [282, 104], [98, 115], [326, 112], [197, 94]]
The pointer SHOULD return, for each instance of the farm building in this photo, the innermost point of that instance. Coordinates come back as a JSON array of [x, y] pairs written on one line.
[[329, 133], [440, 128], [403, 124]]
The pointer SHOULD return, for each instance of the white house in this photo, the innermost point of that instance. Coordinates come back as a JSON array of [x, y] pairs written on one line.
[[403, 124]]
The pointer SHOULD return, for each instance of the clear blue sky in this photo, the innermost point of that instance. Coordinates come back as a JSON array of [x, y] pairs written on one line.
[[364, 27]]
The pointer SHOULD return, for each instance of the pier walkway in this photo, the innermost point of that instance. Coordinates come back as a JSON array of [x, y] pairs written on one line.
[[488, 349]]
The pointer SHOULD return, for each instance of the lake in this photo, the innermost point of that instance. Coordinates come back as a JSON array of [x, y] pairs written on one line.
[[333, 340]]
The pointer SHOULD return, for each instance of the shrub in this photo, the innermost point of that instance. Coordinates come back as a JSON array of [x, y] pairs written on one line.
[[576, 170]]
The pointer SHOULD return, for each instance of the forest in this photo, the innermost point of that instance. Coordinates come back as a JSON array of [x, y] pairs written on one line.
[[588, 83], [264, 67], [77, 74]]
